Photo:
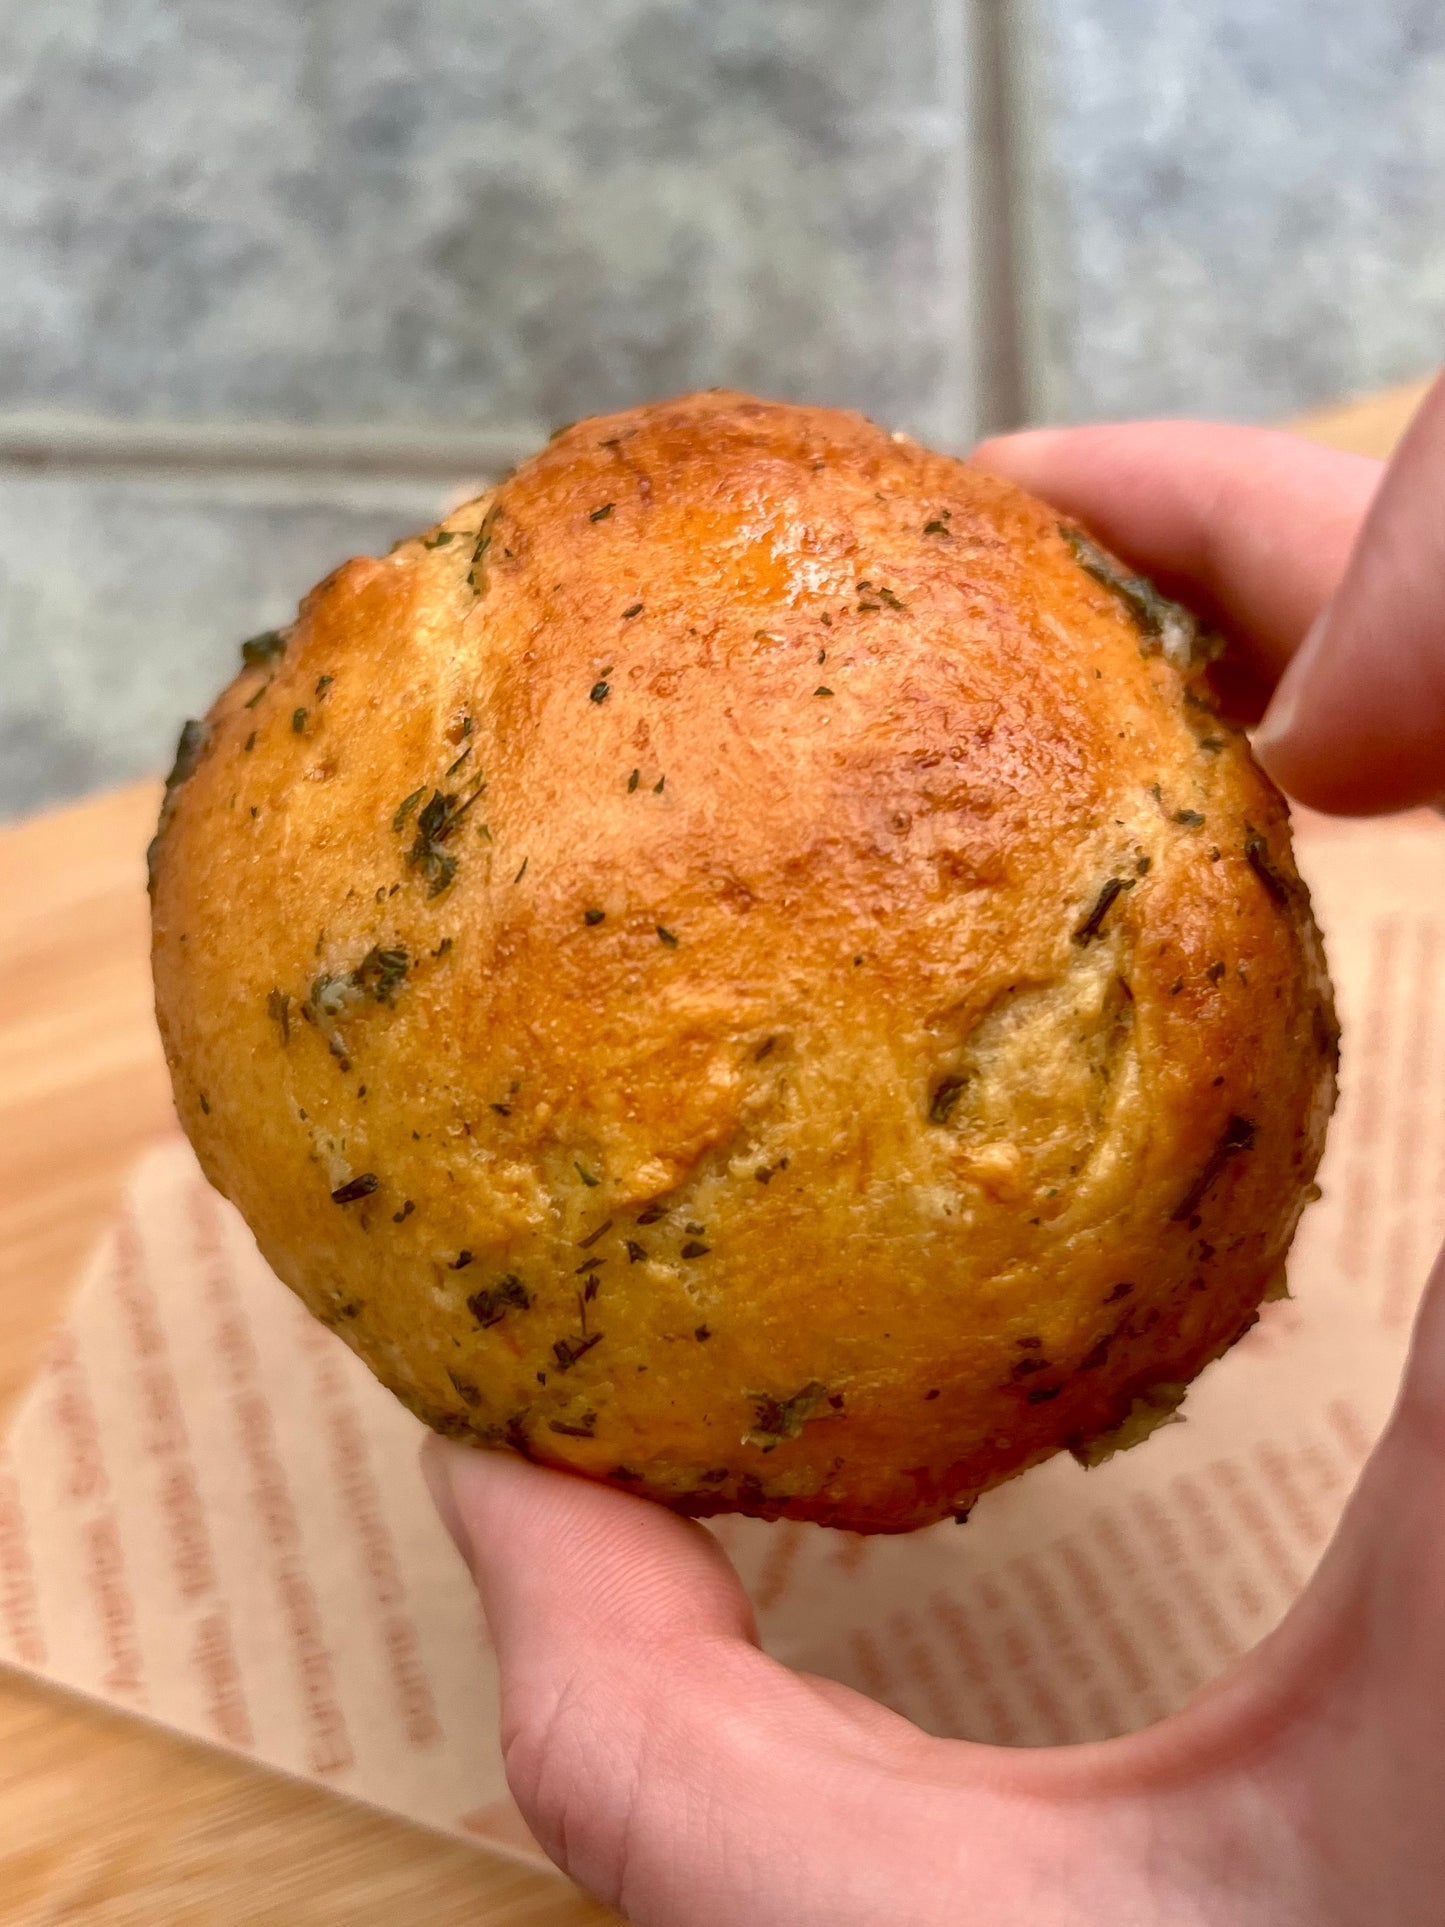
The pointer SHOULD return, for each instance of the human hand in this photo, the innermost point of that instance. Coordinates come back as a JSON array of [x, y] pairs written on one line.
[[676, 1771], [1325, 570]]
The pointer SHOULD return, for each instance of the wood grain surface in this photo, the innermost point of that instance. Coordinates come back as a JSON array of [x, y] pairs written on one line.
[[1369, 426], [105, 1821]]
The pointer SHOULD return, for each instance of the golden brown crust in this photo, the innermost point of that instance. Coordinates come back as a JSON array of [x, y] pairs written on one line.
[[802, 1005]]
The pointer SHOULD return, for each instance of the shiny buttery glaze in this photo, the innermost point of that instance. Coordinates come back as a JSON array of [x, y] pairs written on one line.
[[745, 964]]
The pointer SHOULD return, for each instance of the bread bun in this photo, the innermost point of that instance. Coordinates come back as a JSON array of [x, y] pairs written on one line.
[[745, 964]]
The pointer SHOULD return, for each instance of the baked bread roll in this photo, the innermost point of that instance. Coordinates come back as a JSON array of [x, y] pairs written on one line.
[[745, 964]]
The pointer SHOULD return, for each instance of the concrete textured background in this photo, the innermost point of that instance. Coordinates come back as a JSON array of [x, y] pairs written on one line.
[[440, 212], [408, 237], [1241, 205]]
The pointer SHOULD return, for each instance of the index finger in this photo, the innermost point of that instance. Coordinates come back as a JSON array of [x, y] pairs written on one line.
[[1253, 527]]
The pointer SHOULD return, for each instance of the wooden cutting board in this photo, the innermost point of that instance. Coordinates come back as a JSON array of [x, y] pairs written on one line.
[[104, 1820]]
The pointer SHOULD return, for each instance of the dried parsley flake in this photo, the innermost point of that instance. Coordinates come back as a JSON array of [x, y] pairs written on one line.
[[776, 1419], [278, 1009], [1092, 926], [491, 1306], [256, 651], [354, 1188], [1167, 624], [945, 1100]]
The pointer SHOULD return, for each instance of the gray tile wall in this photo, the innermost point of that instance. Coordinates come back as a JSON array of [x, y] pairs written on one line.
[[500, 212], [296, 269], [1240, 203]]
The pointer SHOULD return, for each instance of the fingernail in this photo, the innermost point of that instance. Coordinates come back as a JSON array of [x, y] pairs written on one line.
[[436, 1470], [1279, 720]]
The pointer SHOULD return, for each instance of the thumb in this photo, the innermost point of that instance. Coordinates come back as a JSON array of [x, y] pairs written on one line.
[[657, 1755], [1357, 723]]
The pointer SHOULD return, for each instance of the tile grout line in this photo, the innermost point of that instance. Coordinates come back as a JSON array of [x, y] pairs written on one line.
[[1001, 346], [51, 442], [1042, 235], [961, 404]]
